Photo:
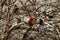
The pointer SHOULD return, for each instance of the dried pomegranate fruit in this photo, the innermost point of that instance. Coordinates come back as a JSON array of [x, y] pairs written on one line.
[[29, 20]]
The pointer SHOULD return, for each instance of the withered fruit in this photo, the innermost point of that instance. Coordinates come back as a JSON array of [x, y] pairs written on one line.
[[40, 21], [30, 21]]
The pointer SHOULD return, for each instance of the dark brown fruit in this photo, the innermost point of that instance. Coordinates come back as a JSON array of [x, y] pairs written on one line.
[[40, 21]]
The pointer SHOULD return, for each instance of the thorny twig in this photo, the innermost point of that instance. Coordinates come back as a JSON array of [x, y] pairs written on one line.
[[33, 4]]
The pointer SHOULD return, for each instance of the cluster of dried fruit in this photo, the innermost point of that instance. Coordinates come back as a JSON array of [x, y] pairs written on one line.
[[30, 21]]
